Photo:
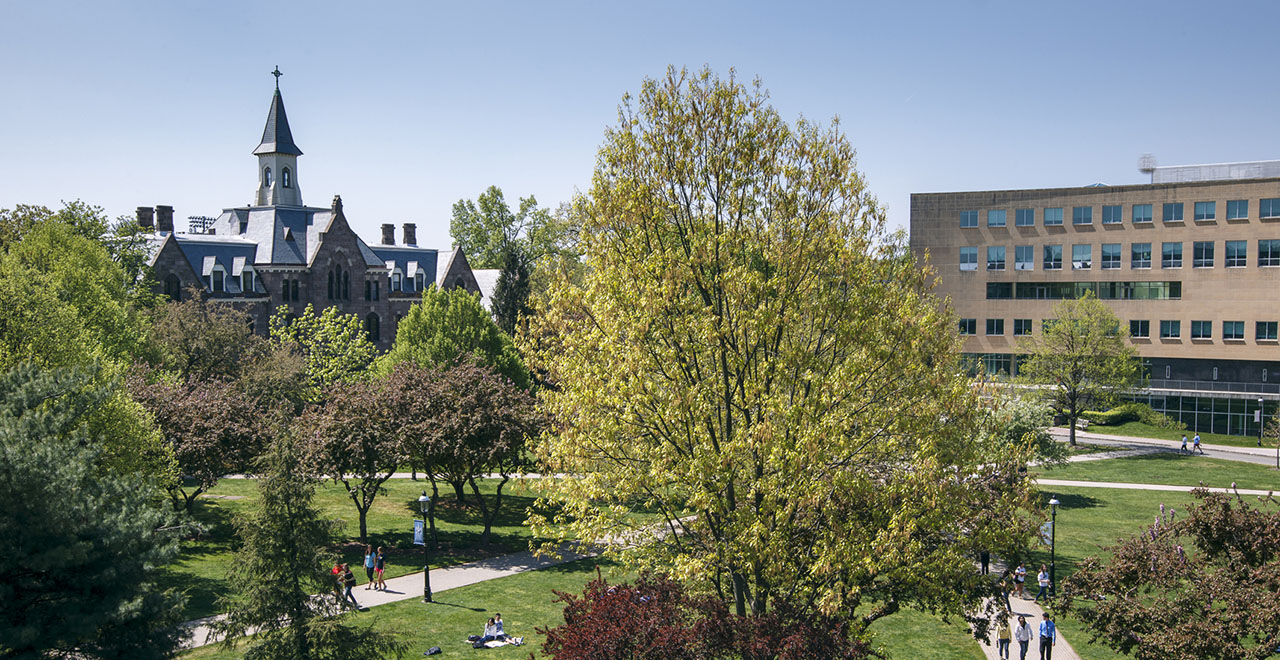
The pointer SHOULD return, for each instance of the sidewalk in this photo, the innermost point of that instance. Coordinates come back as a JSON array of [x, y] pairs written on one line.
[[1159, 487], [408, 587], [1062, 433], [1028, 608]]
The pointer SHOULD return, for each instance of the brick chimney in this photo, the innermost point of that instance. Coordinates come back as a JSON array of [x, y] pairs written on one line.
[[164, 218], [146, 217], [388, 234], [410, 233]]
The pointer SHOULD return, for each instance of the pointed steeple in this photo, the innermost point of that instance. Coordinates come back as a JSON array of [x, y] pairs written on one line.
[[276, 137]]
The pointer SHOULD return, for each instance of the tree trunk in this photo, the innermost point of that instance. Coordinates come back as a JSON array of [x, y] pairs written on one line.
[[1071, 428], [364, 526], [487, 515], [739, 593], [459, 490]]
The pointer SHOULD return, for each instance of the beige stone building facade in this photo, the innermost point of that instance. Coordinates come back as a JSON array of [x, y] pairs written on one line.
[[1192, 269]]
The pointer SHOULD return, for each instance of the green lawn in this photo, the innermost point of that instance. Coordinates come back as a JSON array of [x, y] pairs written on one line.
[[1172, 469], [910, 634], [201, 567], [1140, 430]]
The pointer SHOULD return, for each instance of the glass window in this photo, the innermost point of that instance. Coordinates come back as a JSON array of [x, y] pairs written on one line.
[[1024, 257], [1233, 329], [286, 178], [1112, 215], [1025, 217], [968, 326], [995, 326], [1141, 213], [1140, 255], [1171, 255], [1202, 254], [1021, 327], [293, 295], [1140, 329], [1173, 212], [996, 218], [995, 257], [1269, 208], [968, 218], [266, 177], [1237, 209], [1237, 254], [999, 290], [1053, 216], [1053, 257], [968, 260], [246, 282], [1265, 331], [1110, 256], [1081, 257], [1202, 329], [1170, 329], [1082, 215], [1206, 211], [1269, 253]]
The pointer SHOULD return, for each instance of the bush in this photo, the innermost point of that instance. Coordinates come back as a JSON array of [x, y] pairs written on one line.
[[1134, 412]]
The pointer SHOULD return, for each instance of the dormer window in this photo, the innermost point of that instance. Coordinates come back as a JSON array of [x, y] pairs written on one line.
[[285, 178], [247, 281], [395, 281], [421, 282], [266, 177], [217, 282]]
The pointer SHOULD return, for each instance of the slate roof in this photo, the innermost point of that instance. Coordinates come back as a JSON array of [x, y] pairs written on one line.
[[408, 258], [487, 280], [284, 235], [205, 252], [276, 137]]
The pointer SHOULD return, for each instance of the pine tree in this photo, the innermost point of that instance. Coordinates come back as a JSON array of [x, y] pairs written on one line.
[[284, 561], [81, 544], [511, 294]]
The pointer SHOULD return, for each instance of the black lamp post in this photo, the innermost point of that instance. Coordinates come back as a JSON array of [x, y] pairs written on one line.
[[1053, 545], [425, 502]]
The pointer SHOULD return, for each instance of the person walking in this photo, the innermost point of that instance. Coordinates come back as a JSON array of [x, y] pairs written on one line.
[[1002, 636], [349, 582], [985, 558], [1048, 637], [1022, 633], [380, 569], [1195, 444], [369, 560], [1004, 593], [1184, 444], [1043, 579], [1020, 580]]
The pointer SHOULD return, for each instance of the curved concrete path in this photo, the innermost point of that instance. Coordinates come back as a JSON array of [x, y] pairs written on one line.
[[1258, 455]]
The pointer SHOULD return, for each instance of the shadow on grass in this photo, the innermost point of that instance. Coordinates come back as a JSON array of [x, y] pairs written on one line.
[[202, 592], [1070, 501]]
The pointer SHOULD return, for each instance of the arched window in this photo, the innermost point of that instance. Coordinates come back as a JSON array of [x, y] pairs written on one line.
[[295, 291], [284, 291], [266, 177], [173, 288], [285, 178], [330, 285], [372, 328], [346, 285]]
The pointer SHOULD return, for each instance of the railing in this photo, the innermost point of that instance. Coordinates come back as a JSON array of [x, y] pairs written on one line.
[[1215, 386]]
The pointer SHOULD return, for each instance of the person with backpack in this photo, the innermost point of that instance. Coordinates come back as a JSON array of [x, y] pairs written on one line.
[[348, 580], [380, 570]]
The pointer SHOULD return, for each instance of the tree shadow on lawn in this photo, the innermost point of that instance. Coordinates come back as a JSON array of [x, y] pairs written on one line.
[[217, 533], [512, 513], [1070, 501], [202, 592]]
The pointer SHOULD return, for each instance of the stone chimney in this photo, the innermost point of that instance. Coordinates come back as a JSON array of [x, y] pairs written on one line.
[[410, 233], [146, 217], [388, 234], [164, 218]]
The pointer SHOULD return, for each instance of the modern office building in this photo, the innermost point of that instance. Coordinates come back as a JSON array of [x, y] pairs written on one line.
[[1190, 262]]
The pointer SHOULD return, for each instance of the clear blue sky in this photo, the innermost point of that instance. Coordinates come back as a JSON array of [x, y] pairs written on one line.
[[403, 108]]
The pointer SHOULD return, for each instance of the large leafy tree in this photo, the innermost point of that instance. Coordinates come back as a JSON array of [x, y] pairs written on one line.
[[84, 220], [352, 439], [200, 339], [334, 345], [1081, 359], [449, 326], [283, 591], [752, 358], [511, 293], [82, 546], [487, 227], [1197, 586]]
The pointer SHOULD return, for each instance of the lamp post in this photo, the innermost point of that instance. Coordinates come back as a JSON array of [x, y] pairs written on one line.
[[425, 502], [1053, 545]]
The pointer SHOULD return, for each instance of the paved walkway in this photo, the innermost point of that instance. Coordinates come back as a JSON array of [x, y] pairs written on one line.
[[1258, 455], [408, 587], [1129, 486], [1034, 613]]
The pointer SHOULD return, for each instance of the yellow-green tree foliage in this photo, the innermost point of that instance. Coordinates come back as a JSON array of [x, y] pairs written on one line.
[[1082, 358], [756, 361]]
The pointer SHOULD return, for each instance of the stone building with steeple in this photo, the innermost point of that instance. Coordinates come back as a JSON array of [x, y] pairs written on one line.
[[278, 251]]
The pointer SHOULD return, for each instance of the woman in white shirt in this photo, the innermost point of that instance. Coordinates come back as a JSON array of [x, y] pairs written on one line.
[[1022, 633]]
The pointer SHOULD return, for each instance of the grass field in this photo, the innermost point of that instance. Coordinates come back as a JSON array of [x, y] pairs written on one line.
[[1171, 469], [202, 566], [1140, 430]]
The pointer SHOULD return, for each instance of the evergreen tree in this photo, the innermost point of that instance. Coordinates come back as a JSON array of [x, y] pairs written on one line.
[[82, 545], [284, 561], [511, 295]]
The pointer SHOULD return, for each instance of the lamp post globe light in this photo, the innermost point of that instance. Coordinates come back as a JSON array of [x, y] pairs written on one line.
[[425, 502], [1053, 545]]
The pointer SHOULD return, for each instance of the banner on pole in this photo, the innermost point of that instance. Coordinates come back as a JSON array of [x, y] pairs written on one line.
[[417, 533], [1046, 533]]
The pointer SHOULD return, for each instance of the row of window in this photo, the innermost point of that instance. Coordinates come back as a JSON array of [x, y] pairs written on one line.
[[1236, 209], [1203, 254], [1073, 290], [1139, 329]]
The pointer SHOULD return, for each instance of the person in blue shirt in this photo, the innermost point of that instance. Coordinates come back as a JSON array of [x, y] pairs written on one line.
[[1048, 637]]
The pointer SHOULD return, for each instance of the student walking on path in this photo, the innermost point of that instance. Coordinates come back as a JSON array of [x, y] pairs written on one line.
[[1002, 637], [348, 581], [1184, 444], [1195, 444], [380, 570], [1043, 578], [1022, 633], [1048, 637], [1020, 580], [369, 560]]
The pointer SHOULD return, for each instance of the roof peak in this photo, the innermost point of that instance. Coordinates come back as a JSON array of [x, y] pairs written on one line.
[[276, 136]]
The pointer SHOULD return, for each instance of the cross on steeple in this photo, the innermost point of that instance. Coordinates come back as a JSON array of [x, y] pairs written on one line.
[[277, 74]]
